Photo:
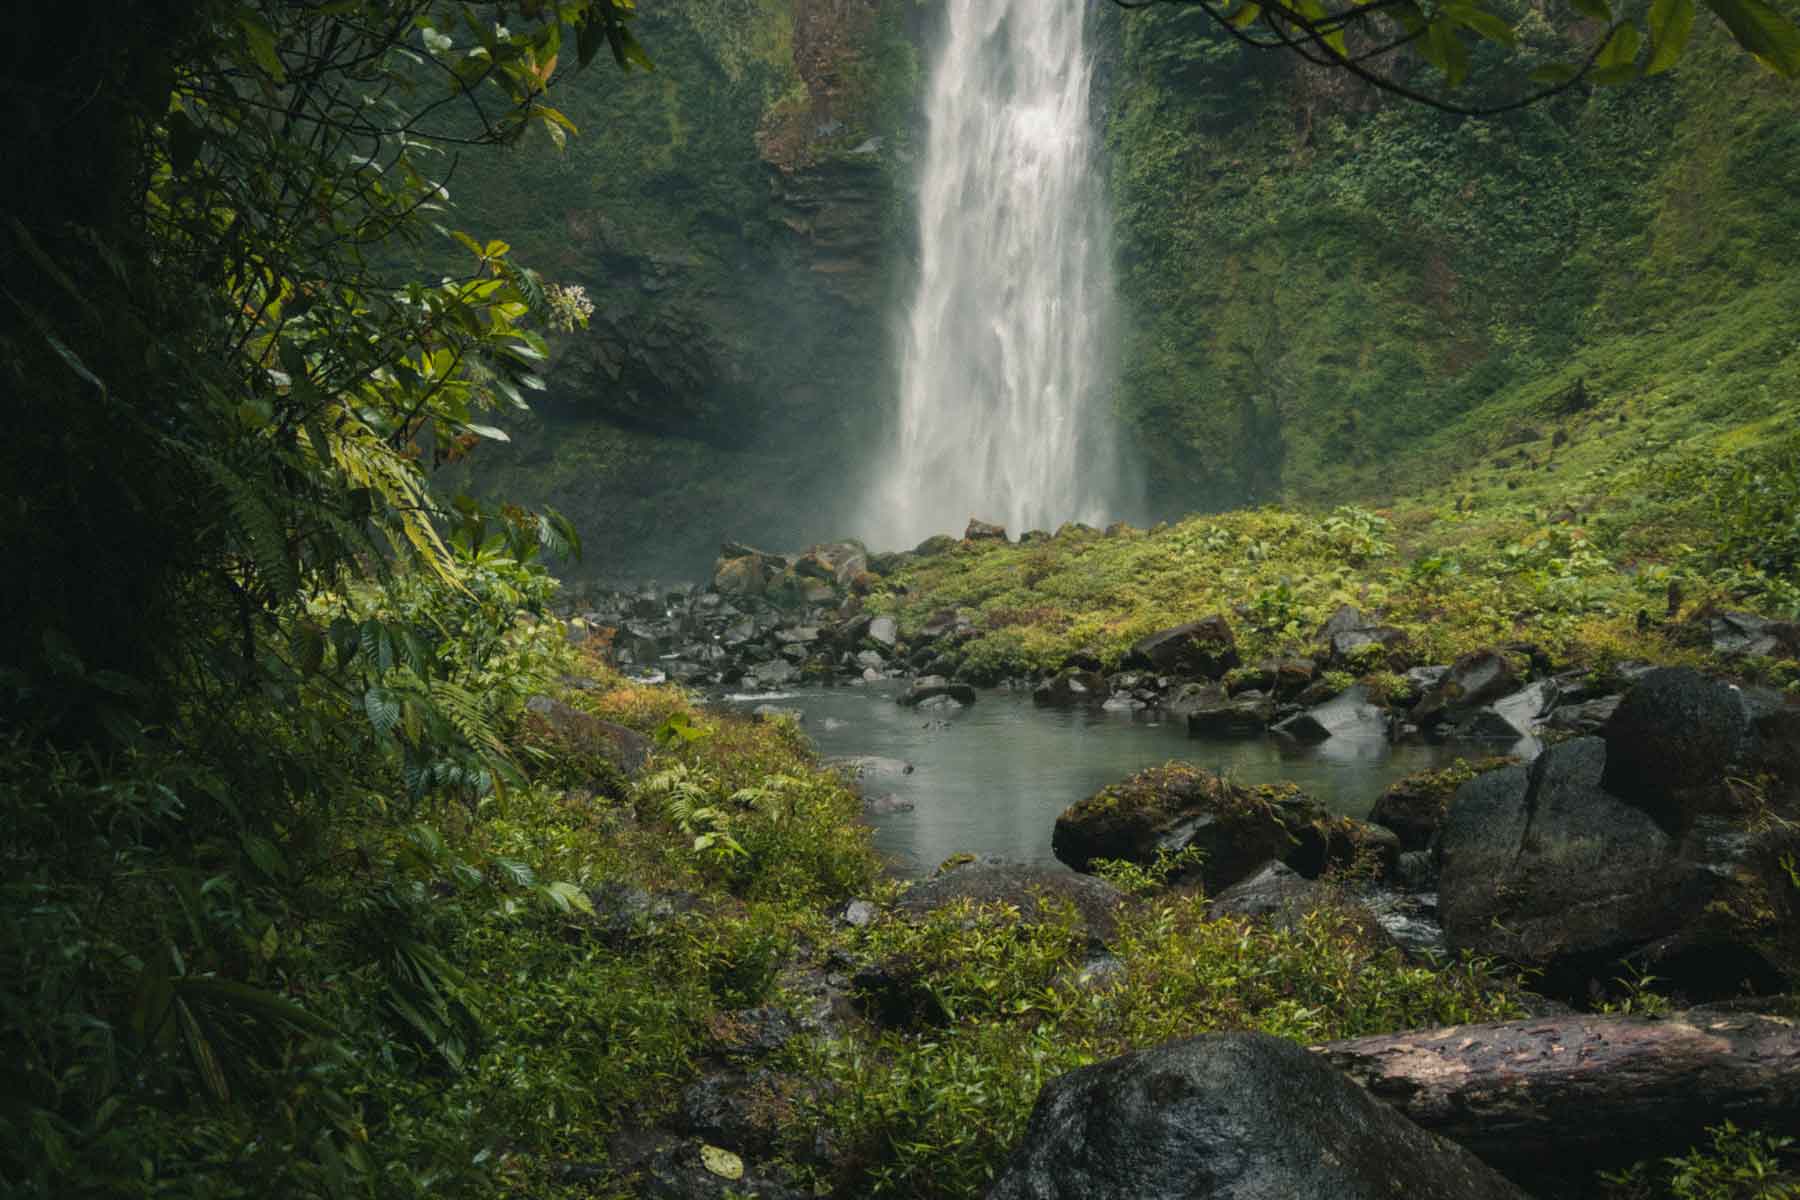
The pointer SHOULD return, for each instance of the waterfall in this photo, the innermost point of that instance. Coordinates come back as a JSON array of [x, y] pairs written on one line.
[[1004, 383]]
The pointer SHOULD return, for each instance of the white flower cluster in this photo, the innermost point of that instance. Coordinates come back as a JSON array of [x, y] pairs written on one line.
[[569, 306]]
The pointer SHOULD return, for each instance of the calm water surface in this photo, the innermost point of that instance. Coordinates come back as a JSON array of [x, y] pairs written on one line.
[[991, 778]]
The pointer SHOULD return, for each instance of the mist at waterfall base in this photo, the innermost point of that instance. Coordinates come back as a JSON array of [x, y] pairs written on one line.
[[1005, 373]]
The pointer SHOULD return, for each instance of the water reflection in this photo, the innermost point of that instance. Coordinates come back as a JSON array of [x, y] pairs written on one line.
[[991, 778]]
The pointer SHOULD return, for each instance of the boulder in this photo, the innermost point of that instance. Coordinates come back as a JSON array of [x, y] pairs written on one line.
[[1276, 891], [930, 687], [746, 575], [1545, 867], [1234, 1116], [1677, 736], [1350, 714], [1205, 648], [1178, 805], [1246, 714], [1744, 635], [585, 734], [936, 544], [1025, 887], [1473, 681], [1071, 686], [883, 633], [984, 531], [1414, 807], [775, 674]]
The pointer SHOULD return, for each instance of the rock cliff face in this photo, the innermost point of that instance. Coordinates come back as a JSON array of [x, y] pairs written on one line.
[[736, 218]]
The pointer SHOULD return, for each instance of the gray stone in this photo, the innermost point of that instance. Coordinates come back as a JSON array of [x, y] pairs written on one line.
[[1351, 714], [1236, 1116]]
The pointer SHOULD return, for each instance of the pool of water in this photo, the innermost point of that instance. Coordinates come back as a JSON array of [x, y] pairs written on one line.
[[991, 778]]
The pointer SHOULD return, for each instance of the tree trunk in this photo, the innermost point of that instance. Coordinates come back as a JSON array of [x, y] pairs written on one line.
[[1580, 1093]]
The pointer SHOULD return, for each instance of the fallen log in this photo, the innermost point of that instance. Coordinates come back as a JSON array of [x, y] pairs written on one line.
[[1536, 1099]]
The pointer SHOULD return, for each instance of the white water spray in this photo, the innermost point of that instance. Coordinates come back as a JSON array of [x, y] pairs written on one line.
[[1004, 387]]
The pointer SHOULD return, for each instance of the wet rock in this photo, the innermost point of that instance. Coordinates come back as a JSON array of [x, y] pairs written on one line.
[[940, 703], [1354, 645], [928, 687], [1745, 635], [886, 806], [775, 674], [1274, 891], [1205, 648], [795, 635], [1193, 697], [1544, 867], [1236, 1116], [883, 633], [752, 1033], [1246, 714], [585, 734], [869, 659], [931, 547], [1069, 687], [1588, 717], [746, 575], [1179, 805], [776, 712], [984, 531], [1414, 807], [1473, 681], [1349, 715], [1676, 737]]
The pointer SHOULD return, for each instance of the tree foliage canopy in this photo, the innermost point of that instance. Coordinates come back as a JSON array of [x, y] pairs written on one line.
[[1477, 53]]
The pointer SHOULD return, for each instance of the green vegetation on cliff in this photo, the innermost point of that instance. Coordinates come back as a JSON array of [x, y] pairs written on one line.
[[1331, 297]]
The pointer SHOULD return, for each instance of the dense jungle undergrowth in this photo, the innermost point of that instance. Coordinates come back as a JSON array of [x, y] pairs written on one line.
[[319, 874]]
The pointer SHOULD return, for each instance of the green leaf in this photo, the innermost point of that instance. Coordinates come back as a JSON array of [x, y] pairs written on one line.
[[515, 871], [721, 1162], [383, 708], [262, 44], [1600, 10], [490, 432], [1445, 51], [567, 897], [1671, 23], [1765, 33], [1488, 25], [1617, 59], [1244, 16]]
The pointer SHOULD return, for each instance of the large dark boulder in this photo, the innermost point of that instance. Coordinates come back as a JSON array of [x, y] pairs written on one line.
[[1474, 680], [1071, 686], [1246, 714], [1679, 739], [1237, 1116], [1178, 805], [1205, 648], [1414, 807], [1544, 867]]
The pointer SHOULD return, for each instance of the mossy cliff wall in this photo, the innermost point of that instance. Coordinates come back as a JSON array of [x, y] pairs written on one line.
[[1320, 283]]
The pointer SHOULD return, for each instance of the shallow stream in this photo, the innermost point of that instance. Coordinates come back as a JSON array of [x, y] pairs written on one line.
[[991, 778]]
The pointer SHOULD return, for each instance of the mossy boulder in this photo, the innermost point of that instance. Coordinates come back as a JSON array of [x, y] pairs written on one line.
[[1178, 805], [1204, 648]]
